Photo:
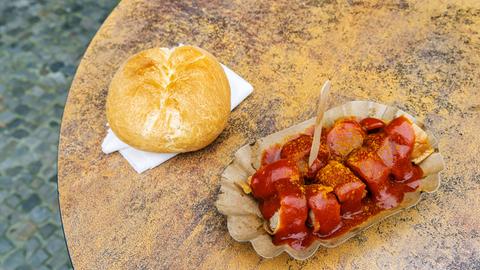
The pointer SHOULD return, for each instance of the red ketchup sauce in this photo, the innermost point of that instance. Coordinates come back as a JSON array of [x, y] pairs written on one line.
[[362, 168], [370, 123]]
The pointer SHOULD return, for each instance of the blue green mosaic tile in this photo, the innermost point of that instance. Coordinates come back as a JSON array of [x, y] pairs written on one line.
[[41, 44]]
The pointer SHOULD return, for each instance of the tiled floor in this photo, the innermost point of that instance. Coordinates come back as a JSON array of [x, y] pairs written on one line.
[[41, 43]]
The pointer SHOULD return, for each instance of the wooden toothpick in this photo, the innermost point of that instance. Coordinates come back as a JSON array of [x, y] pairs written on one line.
[[322, 106]]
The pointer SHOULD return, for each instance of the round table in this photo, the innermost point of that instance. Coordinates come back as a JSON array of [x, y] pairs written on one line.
[[423, 58]]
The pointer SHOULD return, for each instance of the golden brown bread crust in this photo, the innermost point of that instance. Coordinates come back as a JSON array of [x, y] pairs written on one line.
[[169, 100]]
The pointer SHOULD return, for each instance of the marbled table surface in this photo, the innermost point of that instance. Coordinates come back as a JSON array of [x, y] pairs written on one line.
[[420, 56]]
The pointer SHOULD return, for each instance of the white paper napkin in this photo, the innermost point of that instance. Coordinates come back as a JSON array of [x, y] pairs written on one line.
[[141, 160]]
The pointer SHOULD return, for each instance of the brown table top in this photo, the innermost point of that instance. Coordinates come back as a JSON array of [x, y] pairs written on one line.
[[423, 58]]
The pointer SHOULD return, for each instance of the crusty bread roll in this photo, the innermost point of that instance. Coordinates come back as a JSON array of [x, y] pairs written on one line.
[[169, 100]]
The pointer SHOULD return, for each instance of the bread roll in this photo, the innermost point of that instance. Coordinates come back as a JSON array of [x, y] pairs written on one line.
[[169, 100]]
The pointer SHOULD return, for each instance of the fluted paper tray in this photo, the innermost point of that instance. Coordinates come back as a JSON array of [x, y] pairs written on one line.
[[244, 220]]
